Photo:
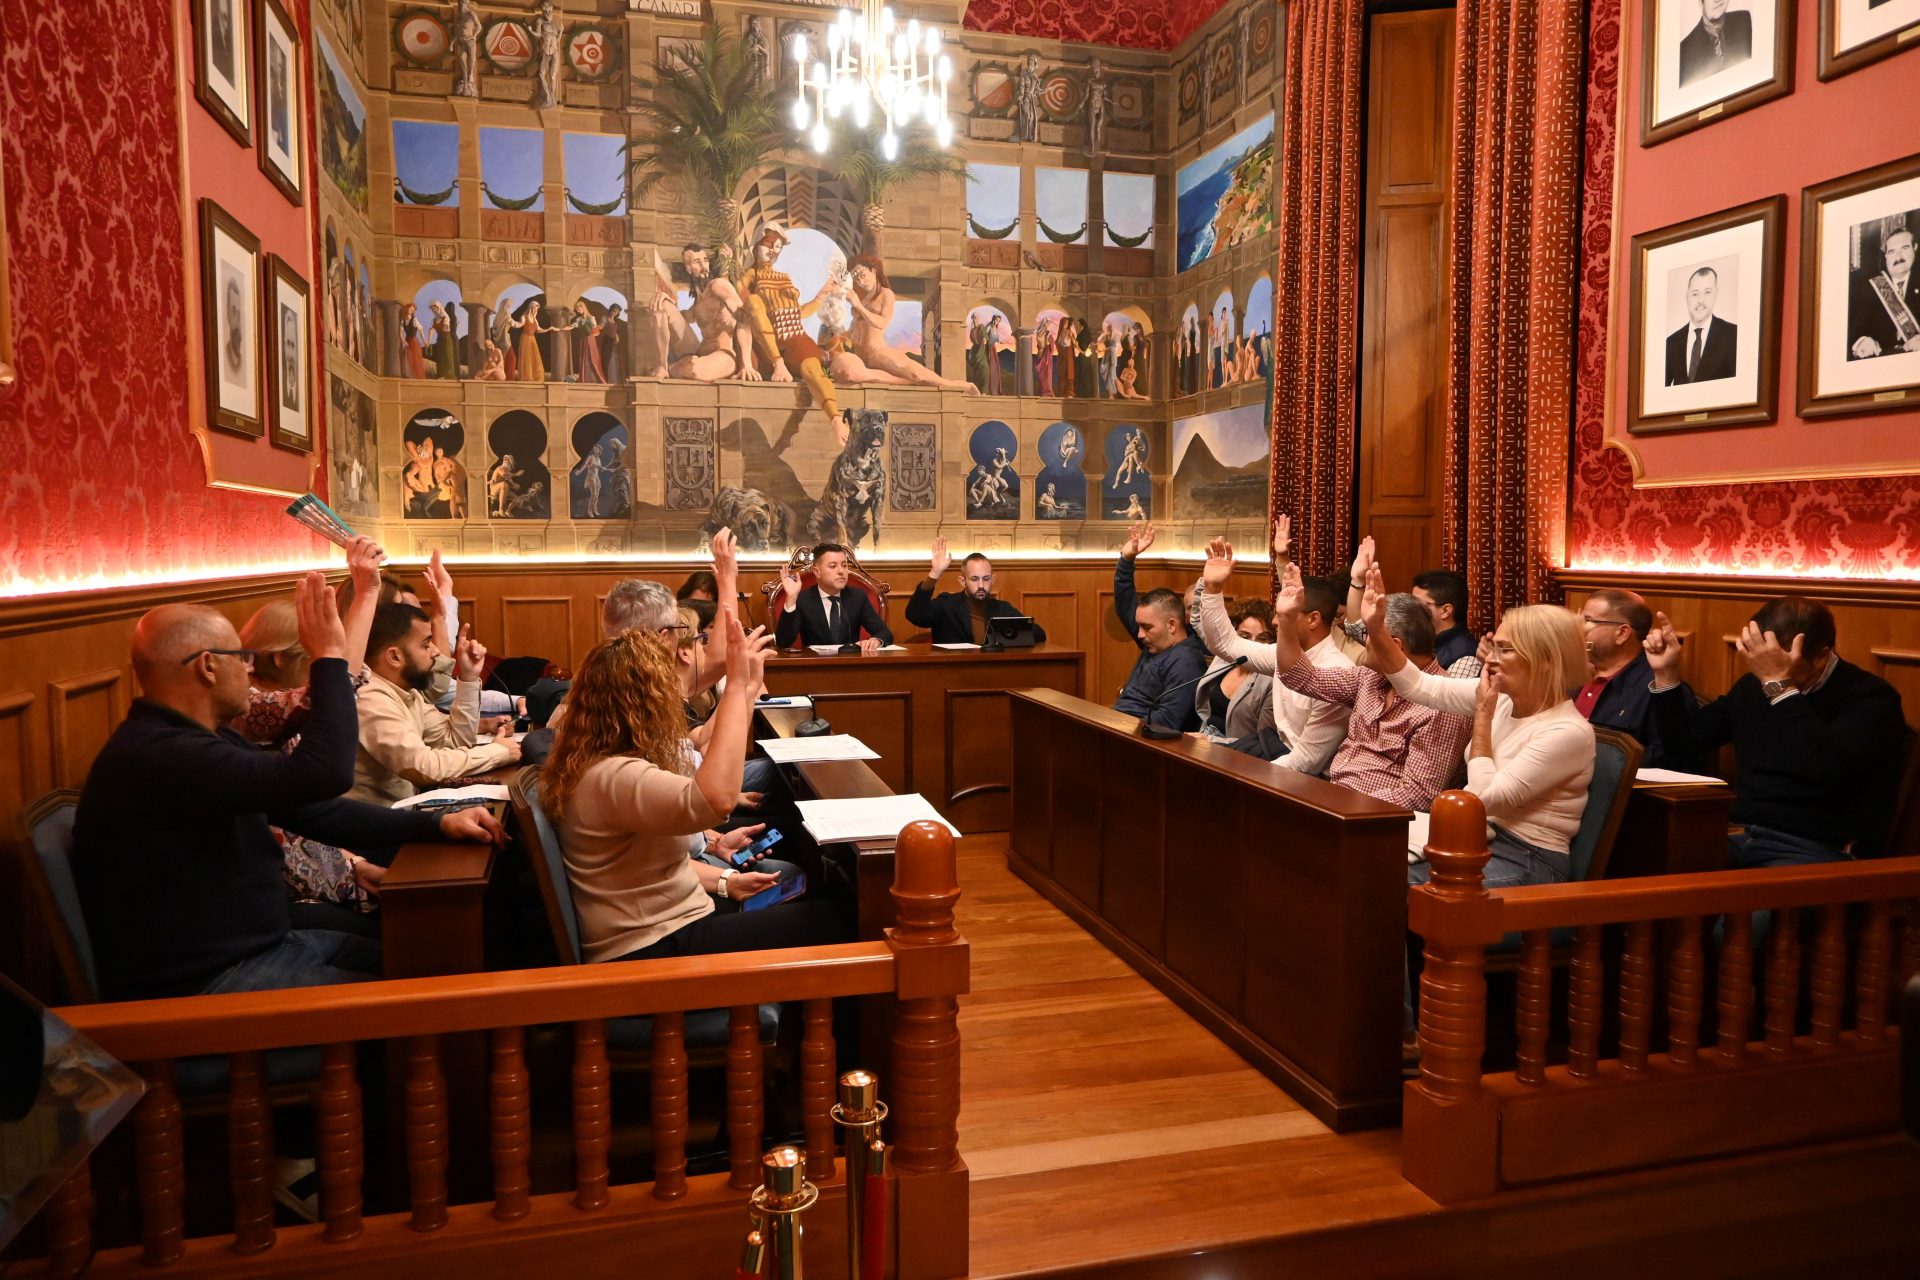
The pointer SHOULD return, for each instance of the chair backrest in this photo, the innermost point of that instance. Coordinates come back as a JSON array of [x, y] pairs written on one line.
[[1616, 759], [46, 833], [802, 557], [549, 868]]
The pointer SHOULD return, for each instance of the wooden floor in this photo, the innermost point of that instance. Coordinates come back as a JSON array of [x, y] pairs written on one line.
[[1109, 1134]]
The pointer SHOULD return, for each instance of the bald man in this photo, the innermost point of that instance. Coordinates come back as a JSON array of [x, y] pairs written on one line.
[[179, 873]]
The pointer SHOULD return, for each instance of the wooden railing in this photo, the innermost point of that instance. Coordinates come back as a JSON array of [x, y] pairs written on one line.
[[679, 1225], [1606, 1109]]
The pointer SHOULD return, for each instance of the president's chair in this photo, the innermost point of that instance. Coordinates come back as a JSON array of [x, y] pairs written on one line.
[[801, 560]]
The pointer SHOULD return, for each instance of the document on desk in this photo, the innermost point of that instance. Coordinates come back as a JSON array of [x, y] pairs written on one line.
[[827, 746], [1672, 777], [956, 646], [453, 795], [867, 818], [828, 650]]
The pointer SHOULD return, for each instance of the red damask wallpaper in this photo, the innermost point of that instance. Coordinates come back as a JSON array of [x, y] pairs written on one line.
[[1826, 528], [103, 480], [1154, 24]]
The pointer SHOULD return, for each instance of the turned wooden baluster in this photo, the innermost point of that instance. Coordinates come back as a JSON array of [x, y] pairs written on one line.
[[1453, 984], [339, 1154], [1829, 984], [1686, 981], [816, 1087], [69, 1219], [1533, 999], [1736, 987], [512, 1124], [250, 1153], [1783, 979], [1873, 971], [426, 1129], [159, 1168], [1583, 1004], [746, 1102], [669, 1106], [1636, 995], [592, 1114], [1909, 947]]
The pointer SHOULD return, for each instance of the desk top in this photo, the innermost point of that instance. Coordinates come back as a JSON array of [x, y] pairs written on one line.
[[921, 651]]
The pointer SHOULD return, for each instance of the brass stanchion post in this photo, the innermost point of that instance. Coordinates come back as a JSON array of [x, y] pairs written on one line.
[[859, 1112], [783, 1195]]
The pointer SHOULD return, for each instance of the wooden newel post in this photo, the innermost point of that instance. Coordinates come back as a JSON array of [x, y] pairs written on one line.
[[924, 1094], [1451, 1128]]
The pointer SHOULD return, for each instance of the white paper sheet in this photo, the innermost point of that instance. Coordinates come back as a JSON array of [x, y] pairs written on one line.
[[794, 701], [441, 795], [831, 649], [1668, 777], [828, 746], [956, 646], [867, 818], [828, 649], [1417, 836]]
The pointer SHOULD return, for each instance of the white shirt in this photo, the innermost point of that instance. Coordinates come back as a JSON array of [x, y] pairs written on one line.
[[1313, 729]]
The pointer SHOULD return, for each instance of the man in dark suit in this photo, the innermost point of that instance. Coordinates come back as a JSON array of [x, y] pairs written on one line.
[[1872, 327], [960, 617], [830, 611], [1620, 696], [1705, 347], [1721, 39]]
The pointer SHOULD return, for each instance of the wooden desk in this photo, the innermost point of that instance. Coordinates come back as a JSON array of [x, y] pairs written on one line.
[[938, 717], [872, 860], [1270, 905], [433, 908], [1668, 829]]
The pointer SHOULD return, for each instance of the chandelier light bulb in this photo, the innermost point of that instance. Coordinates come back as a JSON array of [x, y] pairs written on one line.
[[800, 50], [946, 68], [933, 41], [820, 138], [913, 31], [943, 131], [834, 36], [889, 145], [802, 118], [862, 111], [886, 21]]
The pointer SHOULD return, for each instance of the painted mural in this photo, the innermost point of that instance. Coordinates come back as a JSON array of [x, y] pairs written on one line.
[[1225, 198], [1220, 465], [342, 125]]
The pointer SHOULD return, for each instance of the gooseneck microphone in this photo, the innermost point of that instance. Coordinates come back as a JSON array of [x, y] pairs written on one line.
[[1165, 733]]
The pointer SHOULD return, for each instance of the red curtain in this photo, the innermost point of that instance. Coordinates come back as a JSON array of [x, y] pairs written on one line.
[[1514, 242], [1317, 298]]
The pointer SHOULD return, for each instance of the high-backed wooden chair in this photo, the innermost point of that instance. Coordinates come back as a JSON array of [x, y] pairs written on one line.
[[801, 559]]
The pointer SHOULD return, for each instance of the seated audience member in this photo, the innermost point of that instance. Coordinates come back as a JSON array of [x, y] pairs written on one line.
[[700, 585], [1618, 694], [830, 611], [1171, 656], [181, 881], [1531, 753], [446, 621], [1444, 593], [1395, 749], [1238, 704], [1817, 742], [625, 797], [406, 744], [960, 617]]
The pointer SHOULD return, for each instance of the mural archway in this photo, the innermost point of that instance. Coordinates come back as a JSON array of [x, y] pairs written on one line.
[[519, 486], [600, 486], [433, 479]]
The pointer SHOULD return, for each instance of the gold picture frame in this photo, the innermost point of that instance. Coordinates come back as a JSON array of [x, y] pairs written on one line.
[[9, 373]]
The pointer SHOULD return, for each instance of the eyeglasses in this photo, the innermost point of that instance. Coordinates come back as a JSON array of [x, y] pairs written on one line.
[[676, 626], [245, 655]]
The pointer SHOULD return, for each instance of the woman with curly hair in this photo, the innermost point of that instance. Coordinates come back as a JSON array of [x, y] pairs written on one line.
[[630, 798]]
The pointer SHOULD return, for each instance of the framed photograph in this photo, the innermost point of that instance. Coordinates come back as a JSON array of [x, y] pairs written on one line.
[[1703, 333], [1859, 292], [230, 293], [223, 62], [1702, 60], [277, 71], [289, 355], [1856, 32]]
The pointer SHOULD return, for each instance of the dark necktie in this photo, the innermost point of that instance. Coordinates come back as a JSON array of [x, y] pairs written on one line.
[[833, 619], [1693, 361]]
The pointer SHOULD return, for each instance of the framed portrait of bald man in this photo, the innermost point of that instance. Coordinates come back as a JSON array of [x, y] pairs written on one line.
[[1860, 291], [1704, 60], [1704, 327], [1854, 33]]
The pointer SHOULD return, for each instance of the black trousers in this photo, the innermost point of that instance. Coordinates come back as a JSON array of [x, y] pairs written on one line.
[[810, 923]]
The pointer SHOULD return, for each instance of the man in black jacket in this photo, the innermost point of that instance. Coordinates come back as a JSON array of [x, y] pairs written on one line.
[[1619, 696], [1817, 741], [1170, 654], [1722, 38], [179, 873], [960, 617], [830, 611]]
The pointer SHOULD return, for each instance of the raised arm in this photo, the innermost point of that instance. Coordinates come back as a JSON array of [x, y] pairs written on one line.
[[363, 565], [1357, 582], [1215, 629], [718, 777], [726, 576], [1125, 599]]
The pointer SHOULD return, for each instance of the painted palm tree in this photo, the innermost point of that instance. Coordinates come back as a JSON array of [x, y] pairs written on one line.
[[870, 178], [706, 118]]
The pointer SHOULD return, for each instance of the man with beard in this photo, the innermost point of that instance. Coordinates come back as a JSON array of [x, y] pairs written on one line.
[[960, 617], [1620, 695], [723, 346], [773, 308], [405, 743]]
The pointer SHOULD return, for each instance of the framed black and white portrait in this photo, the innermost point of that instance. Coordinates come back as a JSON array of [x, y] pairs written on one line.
[[1860, 292], [289, 356], [223, 64], [277, 71], [1703, 60], [1704, 330], [230, 296], [1856, 32]]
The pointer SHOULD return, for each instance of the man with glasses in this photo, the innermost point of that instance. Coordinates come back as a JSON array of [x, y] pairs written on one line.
[[180, 878], [1619, 696]]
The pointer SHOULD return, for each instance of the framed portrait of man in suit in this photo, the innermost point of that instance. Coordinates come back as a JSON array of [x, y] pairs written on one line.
[[1704, 329], [1854, 33], [1860, 291], [1703, 60]]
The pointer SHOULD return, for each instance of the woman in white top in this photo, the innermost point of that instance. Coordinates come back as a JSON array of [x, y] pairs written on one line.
[[1531, 756]]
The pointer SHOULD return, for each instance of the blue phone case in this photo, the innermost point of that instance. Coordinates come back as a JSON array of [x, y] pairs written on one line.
[[758, 847], [778, 893]]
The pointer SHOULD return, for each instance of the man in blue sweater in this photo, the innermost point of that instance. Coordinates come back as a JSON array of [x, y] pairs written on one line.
[[1170, 654], [179, 872]]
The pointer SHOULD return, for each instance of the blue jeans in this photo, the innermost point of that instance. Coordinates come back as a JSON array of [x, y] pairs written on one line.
[[762, 775], [304, 958], [1766, 847]]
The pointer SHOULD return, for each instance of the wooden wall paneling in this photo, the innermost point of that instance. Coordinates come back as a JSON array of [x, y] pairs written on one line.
[[1077, 789], [1031, 835], [1135, 803], [538, 627], [1901, 669], [82, 713], [979, 725], [19, 779], [1206, 921], [1058, 612], [884, 720]]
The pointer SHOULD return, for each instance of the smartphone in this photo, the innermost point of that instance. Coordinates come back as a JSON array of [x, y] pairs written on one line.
[[755, 849], [778, 893]]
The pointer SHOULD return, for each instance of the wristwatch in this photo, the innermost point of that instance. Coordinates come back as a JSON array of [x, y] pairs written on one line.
[[1774, 688], [724, 877]]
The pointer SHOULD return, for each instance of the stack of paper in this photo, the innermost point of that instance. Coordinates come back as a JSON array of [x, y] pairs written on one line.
[[1671, 777], [956, 646], [827, 746], [454, 795], [868, 818], [830, 649]]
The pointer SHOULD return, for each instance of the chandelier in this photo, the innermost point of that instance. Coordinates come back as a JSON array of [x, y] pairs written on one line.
[[874, 69]]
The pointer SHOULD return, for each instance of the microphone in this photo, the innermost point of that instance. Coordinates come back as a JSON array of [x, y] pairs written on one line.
[[1162, 733]]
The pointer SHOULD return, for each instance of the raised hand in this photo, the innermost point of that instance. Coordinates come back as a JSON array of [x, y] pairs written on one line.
[[1219, 566], [364, 557], [1139, 538], [469, 655], [726, 566], [1662, 647], [1292, 596], [747, 658], [440, 581], [1373, 599], [941, 559], [789, 584], [1767, 660], [1362, 561], [1282, 535], [322, 634]]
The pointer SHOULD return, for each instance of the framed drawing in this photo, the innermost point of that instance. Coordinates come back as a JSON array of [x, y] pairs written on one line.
[[1856, 32], [1703, 60], [222, 63], [230, 295], [1859, 291], [1703, 332], [289, 356], [277, 72]]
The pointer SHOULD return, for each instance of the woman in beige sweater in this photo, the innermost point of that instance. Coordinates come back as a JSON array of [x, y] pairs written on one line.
[[629, 804]]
